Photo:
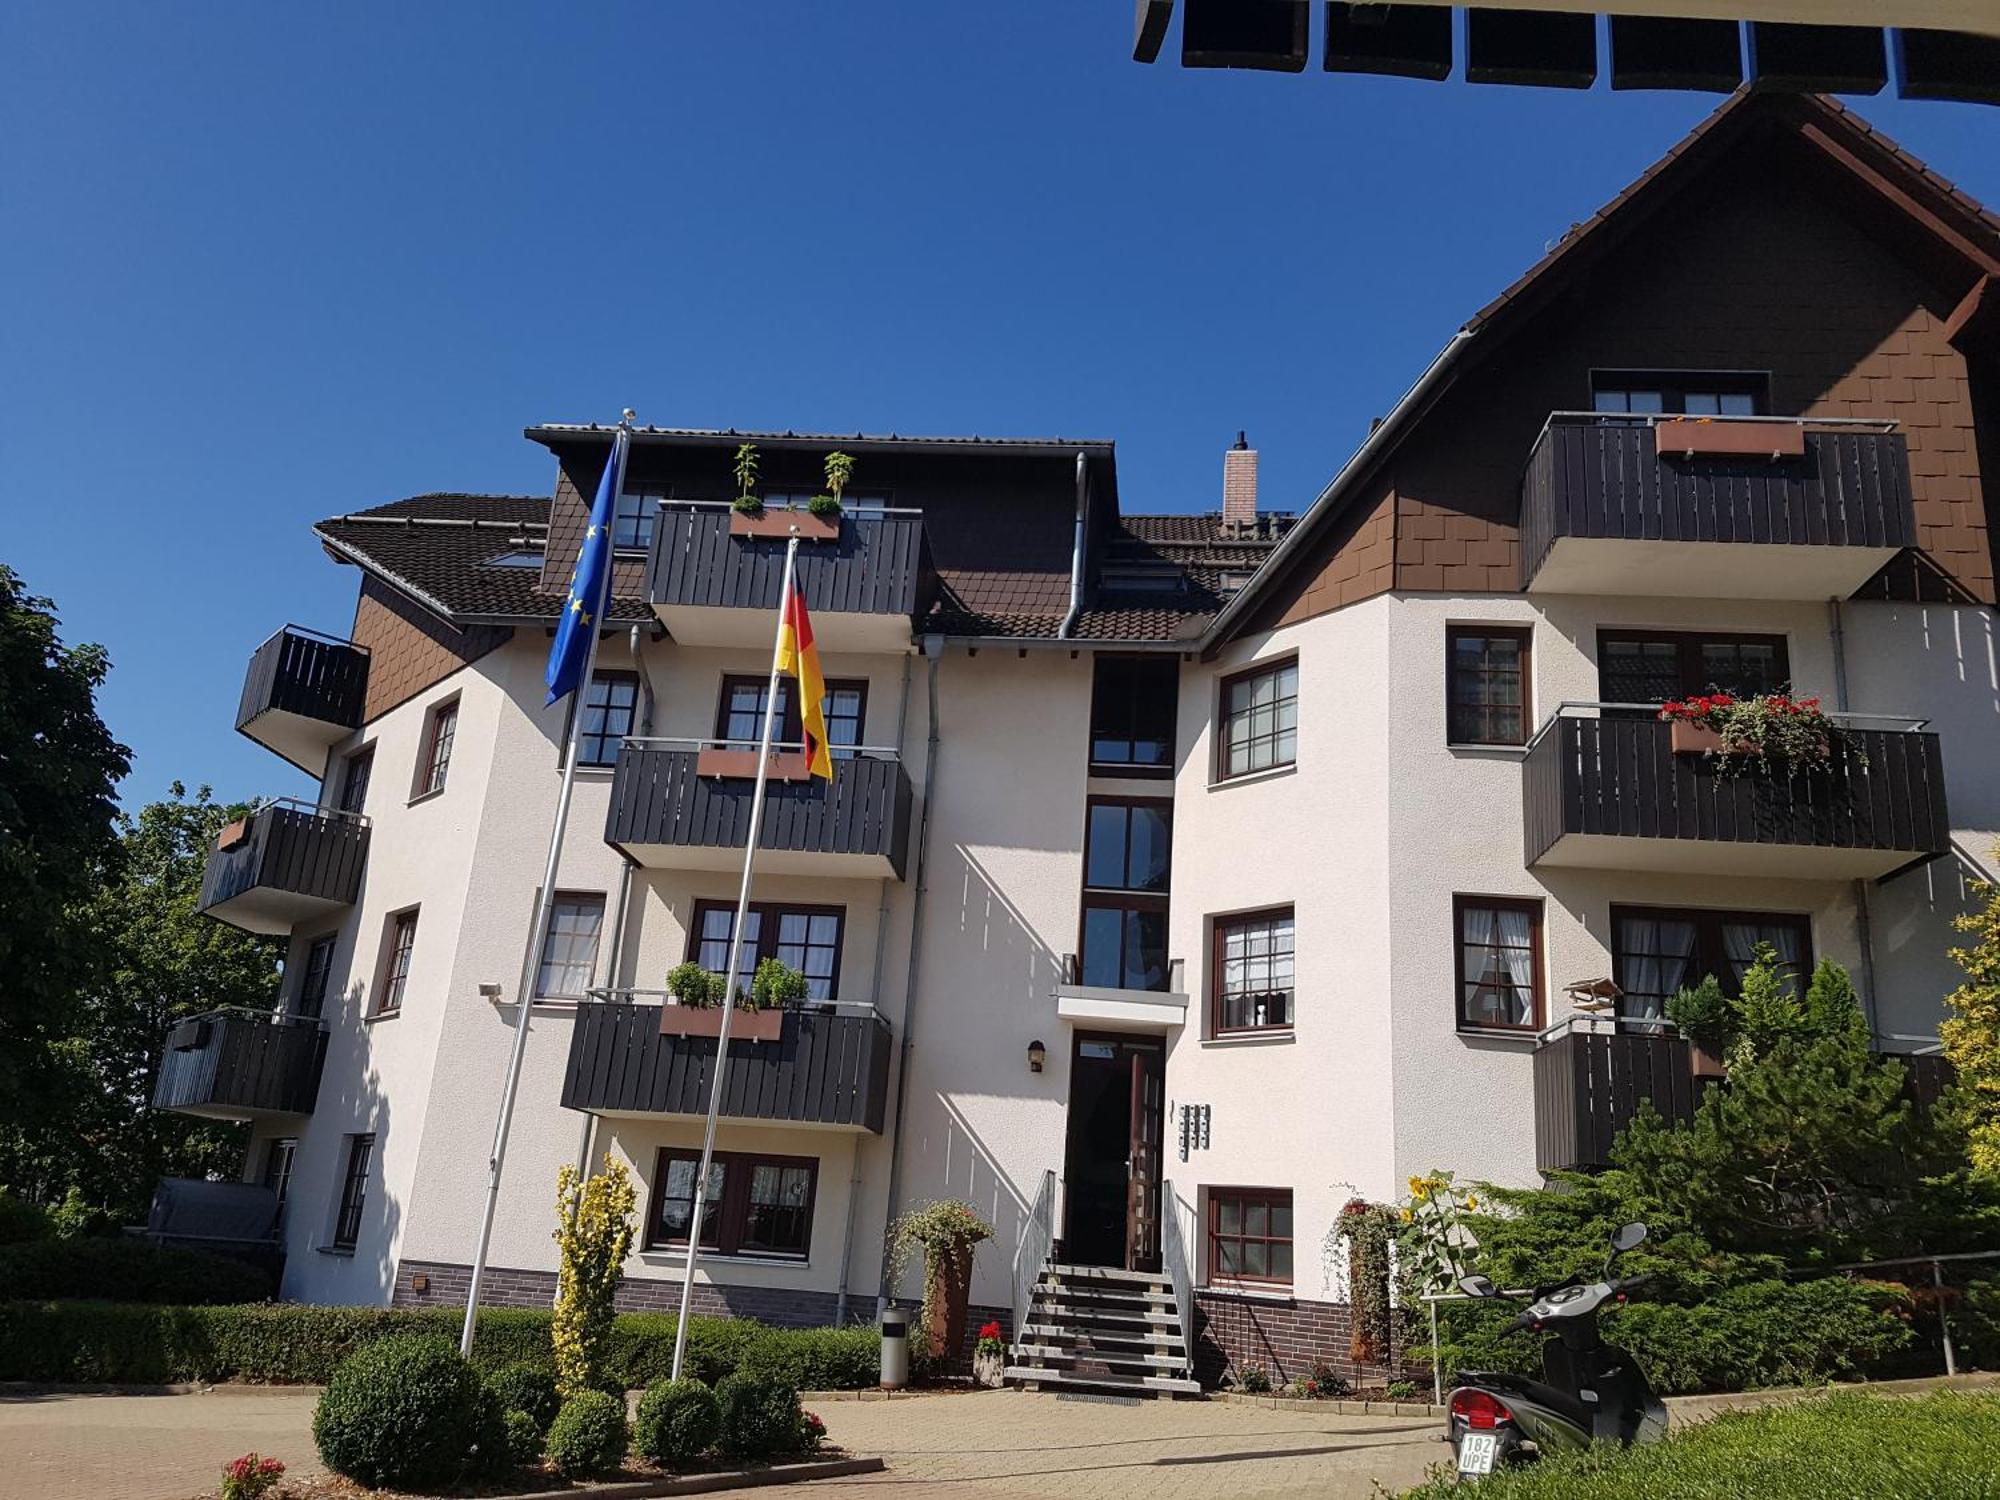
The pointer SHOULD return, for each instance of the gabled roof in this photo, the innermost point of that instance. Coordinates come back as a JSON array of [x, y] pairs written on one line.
[[1957, 224]]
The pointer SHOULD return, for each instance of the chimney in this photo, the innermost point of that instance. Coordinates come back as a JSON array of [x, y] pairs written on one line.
[[1239, 487]]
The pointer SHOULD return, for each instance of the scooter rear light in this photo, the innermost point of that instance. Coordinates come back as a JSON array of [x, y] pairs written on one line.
[[1478, 1410]]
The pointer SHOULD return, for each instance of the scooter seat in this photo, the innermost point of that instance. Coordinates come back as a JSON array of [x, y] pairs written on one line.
[[1554, 1398]]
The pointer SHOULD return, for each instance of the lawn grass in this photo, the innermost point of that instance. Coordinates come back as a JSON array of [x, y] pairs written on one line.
[[1849, 1446]]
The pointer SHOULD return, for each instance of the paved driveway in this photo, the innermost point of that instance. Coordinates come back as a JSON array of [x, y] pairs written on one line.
[[988, 1446]]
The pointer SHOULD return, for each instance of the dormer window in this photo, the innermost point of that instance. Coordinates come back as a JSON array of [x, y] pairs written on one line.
[[1141, 578]]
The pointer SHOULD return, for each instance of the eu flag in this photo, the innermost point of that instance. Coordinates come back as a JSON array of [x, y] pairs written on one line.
[[578, 627]]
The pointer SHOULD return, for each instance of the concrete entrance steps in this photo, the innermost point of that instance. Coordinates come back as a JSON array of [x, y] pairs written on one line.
[[1105, 1329]]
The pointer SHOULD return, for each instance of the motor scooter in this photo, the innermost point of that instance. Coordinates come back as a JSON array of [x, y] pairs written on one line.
[[1592, 1392]]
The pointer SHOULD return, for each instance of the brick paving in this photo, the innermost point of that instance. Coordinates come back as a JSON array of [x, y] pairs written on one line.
[[989, 1446]]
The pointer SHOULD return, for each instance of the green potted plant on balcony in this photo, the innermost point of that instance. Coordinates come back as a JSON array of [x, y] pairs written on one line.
[[826, 508], [1706, 1020], [1765, 733], [697, 997]]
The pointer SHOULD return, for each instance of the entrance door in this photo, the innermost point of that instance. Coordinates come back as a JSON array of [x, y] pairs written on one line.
[[1111, 1167]]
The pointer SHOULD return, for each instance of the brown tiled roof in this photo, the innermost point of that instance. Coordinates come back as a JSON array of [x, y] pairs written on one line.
[[436, 549]]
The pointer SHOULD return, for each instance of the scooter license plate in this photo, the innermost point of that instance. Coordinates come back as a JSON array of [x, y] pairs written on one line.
[[1476, 1452]]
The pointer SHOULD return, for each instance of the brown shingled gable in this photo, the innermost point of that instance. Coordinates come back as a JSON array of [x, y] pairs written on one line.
[[1782, 233]]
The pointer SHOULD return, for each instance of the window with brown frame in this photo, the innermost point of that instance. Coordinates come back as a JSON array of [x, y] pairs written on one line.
[[353, 1191], [756, 1205], [1260, 720], [569, 946], [1252, 973], [1658, 951], [354, 780], [1250, 1234], [434, 764], [1651, 666], [1692, 393], [739, 712], [610, 710], [1127, 858], [397, 951], [313, 977], [805, 938], [1499, 963], [1487, 682], [1134, 701]]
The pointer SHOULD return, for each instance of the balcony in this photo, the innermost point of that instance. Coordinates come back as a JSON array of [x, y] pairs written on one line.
[[303, 694], [829, 1066], [284, 863], [863, 587], [241, 1065], [1721, 508], [1105, 1008], [1591, 1078], [1611, 794], [685, 805]]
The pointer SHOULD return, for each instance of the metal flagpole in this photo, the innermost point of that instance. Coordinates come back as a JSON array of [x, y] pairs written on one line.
[[538, 933], [735, 948]]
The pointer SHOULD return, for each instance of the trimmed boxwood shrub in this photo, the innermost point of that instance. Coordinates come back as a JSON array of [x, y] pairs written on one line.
[[406, 1412], [679, 1421], [524, 1438], [588, 1435], [289, 1344], [127, 1270], [526, 1388], [760, 1415]]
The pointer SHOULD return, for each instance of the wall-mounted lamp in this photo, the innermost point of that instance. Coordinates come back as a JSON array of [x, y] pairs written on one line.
[[1037, 1055], [490, 991]]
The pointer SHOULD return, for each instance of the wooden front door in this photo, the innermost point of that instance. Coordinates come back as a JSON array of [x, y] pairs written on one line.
[[1142, 1206]]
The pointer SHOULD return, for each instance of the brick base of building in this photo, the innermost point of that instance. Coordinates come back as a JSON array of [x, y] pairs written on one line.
[[1287, 1336], [446, 1284]]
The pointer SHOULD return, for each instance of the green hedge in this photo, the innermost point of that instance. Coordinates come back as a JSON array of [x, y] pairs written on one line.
[[291, 1344], [127, 1270], [1939, 1447], [1762, 1333]]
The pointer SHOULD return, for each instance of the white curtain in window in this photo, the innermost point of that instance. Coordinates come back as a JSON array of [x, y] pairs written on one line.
[[1499, 966], [1740, 940], [1657, 954]]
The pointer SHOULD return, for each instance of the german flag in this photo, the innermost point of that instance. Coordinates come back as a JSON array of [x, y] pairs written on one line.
[[798, 655]]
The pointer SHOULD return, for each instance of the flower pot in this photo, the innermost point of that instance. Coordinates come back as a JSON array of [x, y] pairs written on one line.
[[785, 765], [781, 523], [989, 1370], [1699, 439], [945, 1336], [706, 1020], [1694, 739], [1703, 1063]]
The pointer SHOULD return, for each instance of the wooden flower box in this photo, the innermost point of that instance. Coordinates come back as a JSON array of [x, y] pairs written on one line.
[[1689, 738], [229, 835], [1694, 438], [781, 523], [785, 765], [706, 1021]]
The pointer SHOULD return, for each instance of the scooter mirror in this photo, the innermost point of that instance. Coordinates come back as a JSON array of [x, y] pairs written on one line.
[[1630, 1237], [1476, 1286]]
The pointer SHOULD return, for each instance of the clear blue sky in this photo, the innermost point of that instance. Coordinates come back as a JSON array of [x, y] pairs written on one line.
[[263, 264]]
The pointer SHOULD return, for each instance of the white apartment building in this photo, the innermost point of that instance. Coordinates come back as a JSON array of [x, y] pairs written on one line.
[[1183, 876]]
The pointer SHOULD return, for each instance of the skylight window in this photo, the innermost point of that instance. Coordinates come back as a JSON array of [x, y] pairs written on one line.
[[519, 557]]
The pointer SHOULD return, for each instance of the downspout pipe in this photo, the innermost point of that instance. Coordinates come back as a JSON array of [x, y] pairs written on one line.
[[1076, 554], [933, 653], [1864, 926]]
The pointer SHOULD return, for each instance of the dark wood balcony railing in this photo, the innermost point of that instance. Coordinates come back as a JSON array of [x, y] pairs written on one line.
[[1591, 1079], [1843, 498], [1611, 793], [283, 863], [241, 1065], [880, 565], [830, 1066], [669, 808], [302, 692]]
